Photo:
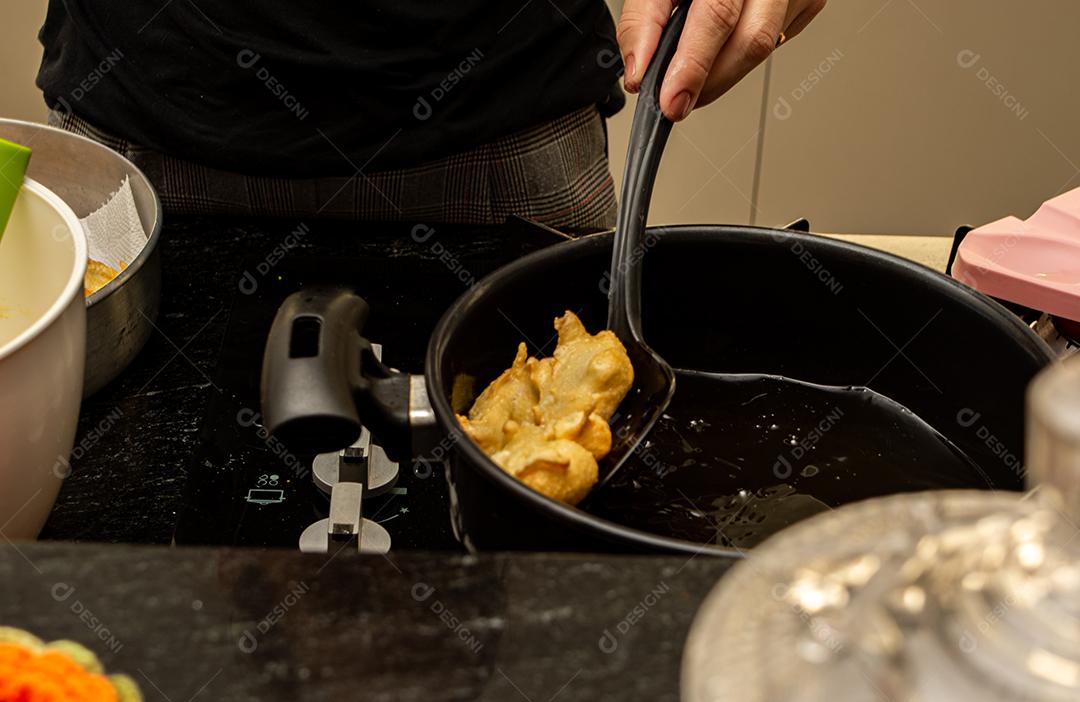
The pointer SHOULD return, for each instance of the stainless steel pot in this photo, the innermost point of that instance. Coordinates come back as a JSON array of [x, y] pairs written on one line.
[[84, 173]]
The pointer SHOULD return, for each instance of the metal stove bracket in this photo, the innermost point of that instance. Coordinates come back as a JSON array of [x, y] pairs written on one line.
[[349, 477], [377, 472]]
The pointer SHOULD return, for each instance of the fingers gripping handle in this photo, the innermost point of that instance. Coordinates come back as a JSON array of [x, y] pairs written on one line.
[[648, 135]]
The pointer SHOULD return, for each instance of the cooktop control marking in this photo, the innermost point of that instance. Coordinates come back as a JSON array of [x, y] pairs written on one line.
[[263, 496]]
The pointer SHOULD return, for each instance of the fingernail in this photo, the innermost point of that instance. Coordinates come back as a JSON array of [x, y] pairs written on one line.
[[628, 73], [682, 104]]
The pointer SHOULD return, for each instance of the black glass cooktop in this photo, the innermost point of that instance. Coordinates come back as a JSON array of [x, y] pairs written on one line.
[[244, 487]]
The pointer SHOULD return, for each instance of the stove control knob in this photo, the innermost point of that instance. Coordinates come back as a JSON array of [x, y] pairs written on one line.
[[373, 538], [382, 472], [345, 524], [365, 459]]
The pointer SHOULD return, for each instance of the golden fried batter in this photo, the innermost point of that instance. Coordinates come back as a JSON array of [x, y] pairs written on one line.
[[546, 421], [507, 402], [98, 275]]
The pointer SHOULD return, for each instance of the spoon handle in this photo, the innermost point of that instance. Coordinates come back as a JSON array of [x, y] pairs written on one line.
[[648, 135]]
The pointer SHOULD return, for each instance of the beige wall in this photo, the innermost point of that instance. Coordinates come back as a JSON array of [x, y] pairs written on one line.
[[888, 116], [20, 54], [882, 118], [905, 132]]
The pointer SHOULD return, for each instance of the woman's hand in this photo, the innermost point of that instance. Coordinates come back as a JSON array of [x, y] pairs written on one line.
[[723, 41]]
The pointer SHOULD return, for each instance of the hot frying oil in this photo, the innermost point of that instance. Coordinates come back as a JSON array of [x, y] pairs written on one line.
[[736, 458]]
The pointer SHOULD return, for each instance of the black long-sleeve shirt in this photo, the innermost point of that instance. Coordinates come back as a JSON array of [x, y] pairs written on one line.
[[296, 89]]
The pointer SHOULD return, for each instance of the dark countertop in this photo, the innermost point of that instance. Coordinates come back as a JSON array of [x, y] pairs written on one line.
[[218, 624], [243, 624], [235, 624]]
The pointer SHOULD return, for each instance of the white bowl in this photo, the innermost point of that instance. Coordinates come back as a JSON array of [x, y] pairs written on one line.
[[42, 353]]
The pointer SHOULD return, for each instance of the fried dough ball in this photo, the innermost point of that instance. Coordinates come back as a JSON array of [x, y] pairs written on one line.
[[546, 421], [558, 468], [509, 398]]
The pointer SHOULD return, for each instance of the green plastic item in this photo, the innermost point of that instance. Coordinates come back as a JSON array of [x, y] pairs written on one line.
[[14, 158]]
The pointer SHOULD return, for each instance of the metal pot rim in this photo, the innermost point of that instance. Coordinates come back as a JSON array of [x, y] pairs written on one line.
[[155, 230], [72, 287]]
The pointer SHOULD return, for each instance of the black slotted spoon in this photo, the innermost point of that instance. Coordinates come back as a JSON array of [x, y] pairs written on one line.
[[654, 379]]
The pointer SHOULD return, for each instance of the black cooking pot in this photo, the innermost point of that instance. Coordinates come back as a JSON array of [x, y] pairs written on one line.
[[717, 298]]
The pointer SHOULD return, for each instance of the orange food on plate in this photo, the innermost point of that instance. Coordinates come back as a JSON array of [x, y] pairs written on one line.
[[62, 671], [49, 675]]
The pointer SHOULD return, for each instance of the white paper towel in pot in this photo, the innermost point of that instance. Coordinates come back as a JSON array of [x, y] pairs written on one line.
[[114, 232]]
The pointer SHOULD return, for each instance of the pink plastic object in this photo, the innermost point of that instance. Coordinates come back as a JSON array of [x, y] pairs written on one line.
[[1035, 263]]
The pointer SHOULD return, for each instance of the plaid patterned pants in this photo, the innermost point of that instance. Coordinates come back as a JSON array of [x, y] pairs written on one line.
[[555, 173]]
